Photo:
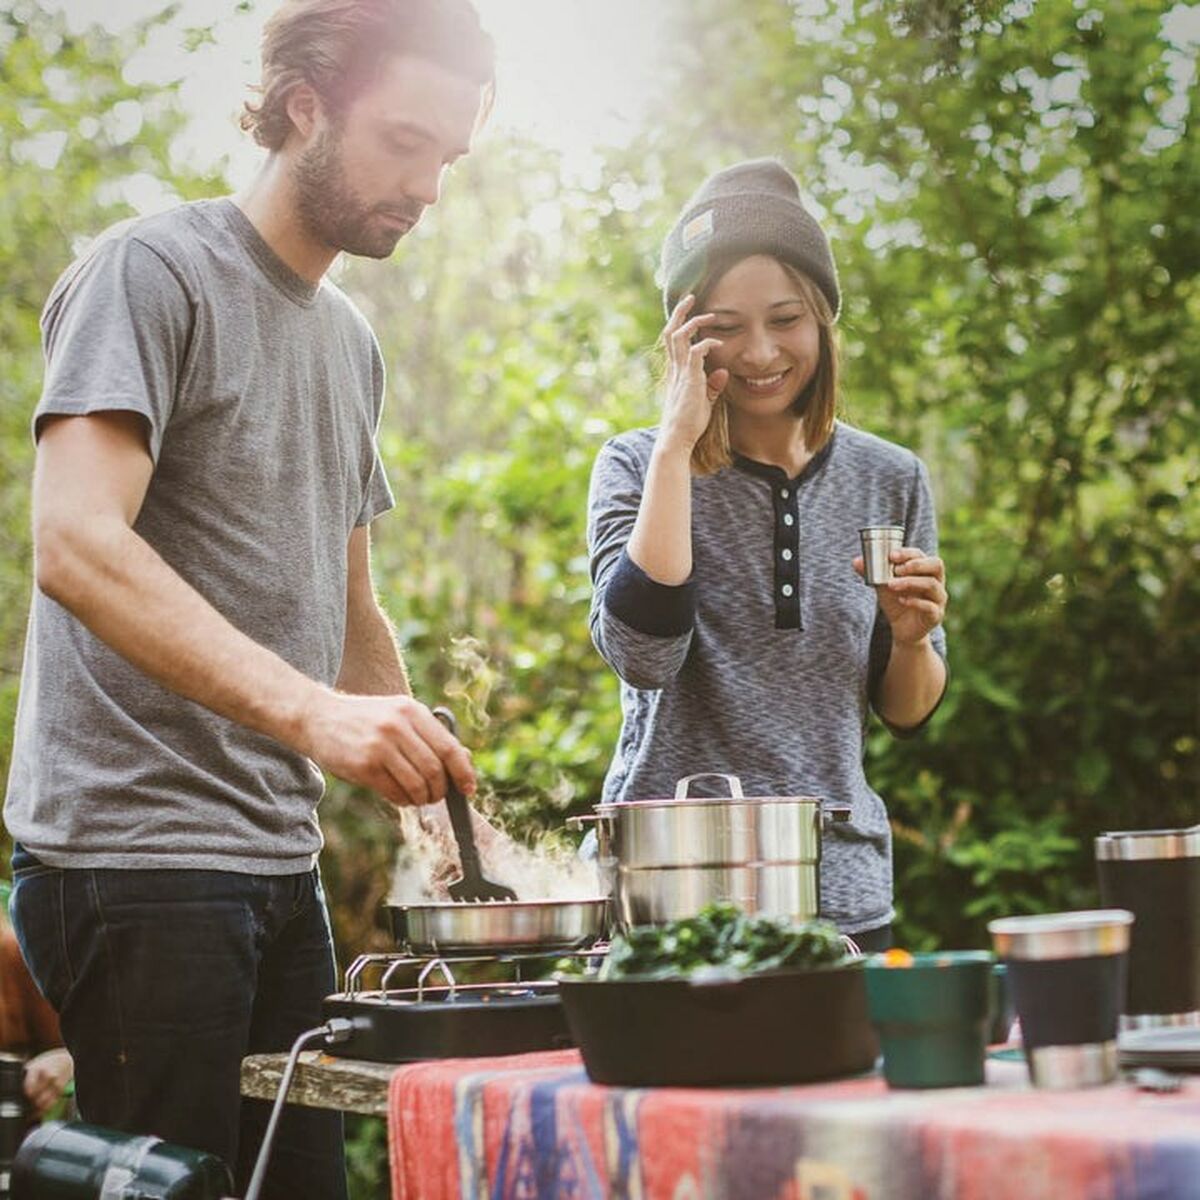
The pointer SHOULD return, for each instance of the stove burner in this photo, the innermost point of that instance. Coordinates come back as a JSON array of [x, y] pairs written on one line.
[[450, 1020]]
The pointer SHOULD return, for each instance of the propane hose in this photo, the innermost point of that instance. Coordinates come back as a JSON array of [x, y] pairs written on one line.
[[335, 1030]]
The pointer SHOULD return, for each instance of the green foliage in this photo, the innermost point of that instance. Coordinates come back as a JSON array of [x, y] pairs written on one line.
[[1010, 188], [720, 937], [366, 1158]]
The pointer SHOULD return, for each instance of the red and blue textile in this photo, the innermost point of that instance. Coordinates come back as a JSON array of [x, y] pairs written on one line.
[[532, 1127]]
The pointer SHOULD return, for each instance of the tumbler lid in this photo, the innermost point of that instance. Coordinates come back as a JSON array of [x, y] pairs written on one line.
[[1082, 934], [1149, 844]]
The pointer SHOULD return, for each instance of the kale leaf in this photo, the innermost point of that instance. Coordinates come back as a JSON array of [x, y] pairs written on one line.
[[721, 936]]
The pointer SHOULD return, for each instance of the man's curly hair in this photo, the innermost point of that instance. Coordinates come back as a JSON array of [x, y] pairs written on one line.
[[339, 46]]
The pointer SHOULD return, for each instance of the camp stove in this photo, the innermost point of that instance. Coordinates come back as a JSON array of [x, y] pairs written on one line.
[[441, 1017]]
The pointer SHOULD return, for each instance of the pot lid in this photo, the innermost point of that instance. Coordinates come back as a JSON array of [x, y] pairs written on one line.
[[707, 801], [682, 797]]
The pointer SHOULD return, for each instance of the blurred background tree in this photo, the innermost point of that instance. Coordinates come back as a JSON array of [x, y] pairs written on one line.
[[1011, 193]]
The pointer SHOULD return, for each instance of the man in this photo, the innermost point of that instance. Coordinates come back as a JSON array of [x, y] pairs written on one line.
[[204, 635]]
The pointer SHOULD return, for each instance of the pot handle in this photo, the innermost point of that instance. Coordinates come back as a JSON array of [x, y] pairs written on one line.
[[735, 784], [839, 813], [578, 820]]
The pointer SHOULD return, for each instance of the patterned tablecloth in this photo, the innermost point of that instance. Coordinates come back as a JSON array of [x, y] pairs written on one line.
[[532, 1126]]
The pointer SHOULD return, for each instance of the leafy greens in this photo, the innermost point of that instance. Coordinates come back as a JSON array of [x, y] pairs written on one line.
[[721, 938]]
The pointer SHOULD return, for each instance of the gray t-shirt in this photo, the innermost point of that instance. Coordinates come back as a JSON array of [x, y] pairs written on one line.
[[765, 663], [261, 395]]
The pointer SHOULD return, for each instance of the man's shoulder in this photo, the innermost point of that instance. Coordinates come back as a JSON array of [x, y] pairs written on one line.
[[168, 239]]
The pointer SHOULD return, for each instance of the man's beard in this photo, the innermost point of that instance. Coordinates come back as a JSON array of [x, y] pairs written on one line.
[[334, 214]]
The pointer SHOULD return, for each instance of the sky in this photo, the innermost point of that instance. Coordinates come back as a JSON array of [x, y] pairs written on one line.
[[574, 74]]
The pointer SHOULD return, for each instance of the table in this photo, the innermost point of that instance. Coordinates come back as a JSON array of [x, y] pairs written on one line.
[[321, 1081], [532, 1127]]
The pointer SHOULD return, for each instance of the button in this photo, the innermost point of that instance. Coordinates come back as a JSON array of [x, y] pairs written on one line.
[[784, 493], [788, 519], [786, 589], [787, 555]]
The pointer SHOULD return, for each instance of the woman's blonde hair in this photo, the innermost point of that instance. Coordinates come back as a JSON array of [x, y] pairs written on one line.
[[339, 46], [819, 403]]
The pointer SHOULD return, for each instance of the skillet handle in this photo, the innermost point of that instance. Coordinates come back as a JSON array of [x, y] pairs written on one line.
[[458, 809]]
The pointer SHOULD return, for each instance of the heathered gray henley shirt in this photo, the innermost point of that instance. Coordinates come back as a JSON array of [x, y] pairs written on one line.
[[764, 664]]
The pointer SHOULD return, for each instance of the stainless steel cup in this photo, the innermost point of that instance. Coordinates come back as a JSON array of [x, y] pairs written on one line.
[[878, 541], [1066, 972], [1155, 874]]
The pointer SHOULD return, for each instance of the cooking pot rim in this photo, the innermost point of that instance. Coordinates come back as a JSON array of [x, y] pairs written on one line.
[[706, 802]]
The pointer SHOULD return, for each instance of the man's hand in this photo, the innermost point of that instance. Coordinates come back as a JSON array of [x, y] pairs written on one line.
[[46, 1076], [391, 744]]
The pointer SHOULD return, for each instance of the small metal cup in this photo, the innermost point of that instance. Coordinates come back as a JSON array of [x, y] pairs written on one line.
[[878, 541]]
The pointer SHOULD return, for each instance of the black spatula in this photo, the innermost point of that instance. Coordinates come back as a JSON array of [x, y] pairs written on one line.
[[472, 886]]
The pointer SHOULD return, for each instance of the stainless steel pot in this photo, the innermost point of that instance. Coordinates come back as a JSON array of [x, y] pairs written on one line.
[[667, 858]]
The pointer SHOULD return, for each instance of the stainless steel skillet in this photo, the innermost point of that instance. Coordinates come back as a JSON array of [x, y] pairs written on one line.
[[457, 927]]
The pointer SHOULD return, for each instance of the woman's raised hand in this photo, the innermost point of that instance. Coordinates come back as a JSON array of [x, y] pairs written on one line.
[[691, 391]]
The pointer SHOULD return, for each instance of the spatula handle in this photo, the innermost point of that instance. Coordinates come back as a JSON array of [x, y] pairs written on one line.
[[459, 810]]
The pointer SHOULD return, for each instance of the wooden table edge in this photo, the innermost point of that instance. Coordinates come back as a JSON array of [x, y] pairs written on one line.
[[321, 1081]]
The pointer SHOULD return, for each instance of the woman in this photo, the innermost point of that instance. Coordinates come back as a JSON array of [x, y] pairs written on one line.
[[723, 544]]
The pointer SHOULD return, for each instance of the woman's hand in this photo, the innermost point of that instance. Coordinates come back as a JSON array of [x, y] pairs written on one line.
[[914, 601], [46, 1076], [690, 391]]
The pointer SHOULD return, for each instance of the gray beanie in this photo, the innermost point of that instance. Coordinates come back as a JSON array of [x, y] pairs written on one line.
[[752, 207]]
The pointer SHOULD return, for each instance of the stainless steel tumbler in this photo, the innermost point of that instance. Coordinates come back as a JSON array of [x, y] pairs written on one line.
[[878, 541]]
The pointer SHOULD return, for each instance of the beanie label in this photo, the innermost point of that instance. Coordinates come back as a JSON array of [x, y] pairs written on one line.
[[698, 229]]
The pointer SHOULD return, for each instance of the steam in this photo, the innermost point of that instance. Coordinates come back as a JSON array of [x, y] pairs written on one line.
[[428, 862]]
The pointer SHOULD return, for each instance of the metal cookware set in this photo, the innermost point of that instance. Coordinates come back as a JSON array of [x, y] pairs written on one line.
[[662, 859]]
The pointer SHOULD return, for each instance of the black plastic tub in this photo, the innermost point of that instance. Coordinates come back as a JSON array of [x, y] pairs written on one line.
[[776, 1028]]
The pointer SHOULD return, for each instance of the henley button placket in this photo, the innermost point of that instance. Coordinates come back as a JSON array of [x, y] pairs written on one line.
[[787, 558]]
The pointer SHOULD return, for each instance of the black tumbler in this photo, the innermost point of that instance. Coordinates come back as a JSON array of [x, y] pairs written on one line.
[[1066, 973], [1155, 874]]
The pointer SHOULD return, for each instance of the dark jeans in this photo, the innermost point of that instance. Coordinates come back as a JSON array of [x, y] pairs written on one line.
[[164, 980]]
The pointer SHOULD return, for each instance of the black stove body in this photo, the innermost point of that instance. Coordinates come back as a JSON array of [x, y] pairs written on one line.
[[449, 1019]]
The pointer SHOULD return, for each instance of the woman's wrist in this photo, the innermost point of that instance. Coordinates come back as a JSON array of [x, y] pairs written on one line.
[[672, 448], [922, 645]]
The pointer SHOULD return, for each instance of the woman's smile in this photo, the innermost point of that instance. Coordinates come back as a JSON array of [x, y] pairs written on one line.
[[764, 385]]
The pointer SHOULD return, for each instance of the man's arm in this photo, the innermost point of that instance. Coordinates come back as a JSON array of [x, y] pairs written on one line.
[[372, 664], [90, 479]]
